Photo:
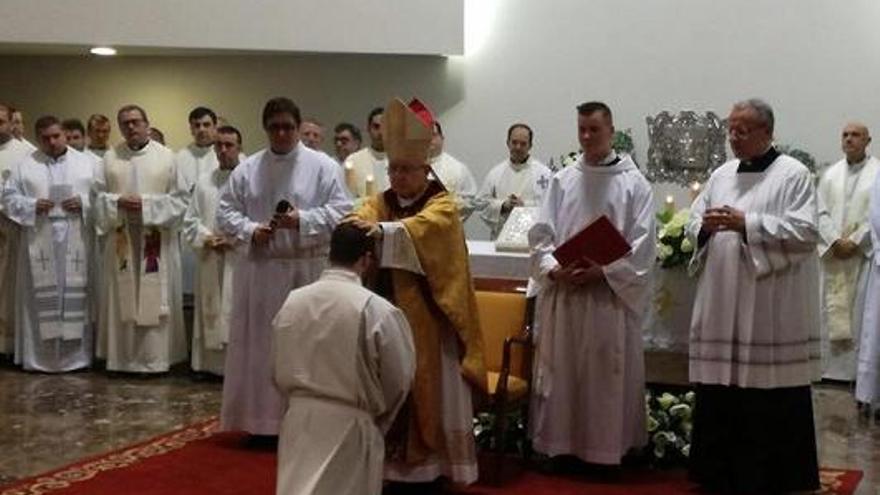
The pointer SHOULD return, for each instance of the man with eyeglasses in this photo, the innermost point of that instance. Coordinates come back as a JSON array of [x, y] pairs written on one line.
[[283, 202], [424, 271], [139, 204], [754, 347]]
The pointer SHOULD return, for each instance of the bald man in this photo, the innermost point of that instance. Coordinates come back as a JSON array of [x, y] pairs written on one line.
[[845, 250], [312, 133]]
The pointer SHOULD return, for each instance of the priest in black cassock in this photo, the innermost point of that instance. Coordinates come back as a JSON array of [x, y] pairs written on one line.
[[754, 346]]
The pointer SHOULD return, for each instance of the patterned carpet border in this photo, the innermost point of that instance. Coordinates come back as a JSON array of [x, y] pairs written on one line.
[[85, 470], [834, 481]]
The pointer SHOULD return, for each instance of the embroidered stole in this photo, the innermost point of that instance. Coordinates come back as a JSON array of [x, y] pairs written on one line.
[[143, 297], [61, 311]]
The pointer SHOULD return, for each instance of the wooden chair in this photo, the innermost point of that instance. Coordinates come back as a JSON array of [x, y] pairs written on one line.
[[505, 318]]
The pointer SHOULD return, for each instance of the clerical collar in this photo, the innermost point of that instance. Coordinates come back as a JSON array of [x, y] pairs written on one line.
[[758, 164], [610, 160]]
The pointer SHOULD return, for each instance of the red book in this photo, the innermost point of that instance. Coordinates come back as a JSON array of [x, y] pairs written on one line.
[[599, 242]]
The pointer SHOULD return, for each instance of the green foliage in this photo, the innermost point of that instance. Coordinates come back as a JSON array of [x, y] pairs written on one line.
[[623, 142], [515, 439]]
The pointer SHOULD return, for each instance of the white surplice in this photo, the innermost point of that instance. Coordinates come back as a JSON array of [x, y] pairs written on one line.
[[844, 193], [368, 162], [11, 152], [213, 281], [588, 397], [60, 237], [344, 359], [528, 181], [265, 275], [756, 314], [868, 364], [458, 180], [145, 332]]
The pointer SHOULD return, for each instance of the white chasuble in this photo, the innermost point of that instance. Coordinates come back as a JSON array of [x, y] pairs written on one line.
[[528, 181], [142, 317], [844, 197]]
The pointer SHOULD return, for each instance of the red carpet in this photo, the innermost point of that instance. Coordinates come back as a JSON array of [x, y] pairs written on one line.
[[196, 460]]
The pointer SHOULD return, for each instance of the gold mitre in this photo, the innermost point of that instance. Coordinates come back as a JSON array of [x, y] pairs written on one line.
[[406, 131]]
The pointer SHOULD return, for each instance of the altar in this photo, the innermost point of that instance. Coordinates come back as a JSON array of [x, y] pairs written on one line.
[[505, 271]]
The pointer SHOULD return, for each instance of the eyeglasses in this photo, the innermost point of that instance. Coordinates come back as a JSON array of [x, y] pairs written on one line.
[[741, 132]]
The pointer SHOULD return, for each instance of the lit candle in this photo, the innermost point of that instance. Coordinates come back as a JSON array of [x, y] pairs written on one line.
[[696, 187], [370, 186], [349, 178], [670, 203]]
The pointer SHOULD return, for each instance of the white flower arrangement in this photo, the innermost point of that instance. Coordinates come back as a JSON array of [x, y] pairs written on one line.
[[673, 246], [669, 426]]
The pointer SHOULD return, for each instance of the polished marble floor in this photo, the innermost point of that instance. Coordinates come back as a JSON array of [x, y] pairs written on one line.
[[47, 421]]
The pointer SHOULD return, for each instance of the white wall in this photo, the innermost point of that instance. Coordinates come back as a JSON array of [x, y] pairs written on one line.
[[815, 61], [340, 26]]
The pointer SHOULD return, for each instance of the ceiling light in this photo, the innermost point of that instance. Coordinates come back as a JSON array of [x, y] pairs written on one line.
[[105, 51]]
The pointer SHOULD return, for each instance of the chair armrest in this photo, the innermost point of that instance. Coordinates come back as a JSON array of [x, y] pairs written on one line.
[[525, 340]]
